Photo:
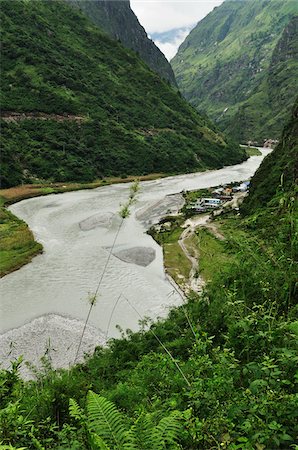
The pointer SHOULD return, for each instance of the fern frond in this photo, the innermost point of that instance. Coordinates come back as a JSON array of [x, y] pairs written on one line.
[[75, 411], [105, 420], [97, 443], [169, 428], [131, 440], [142, 429], [157, 437]]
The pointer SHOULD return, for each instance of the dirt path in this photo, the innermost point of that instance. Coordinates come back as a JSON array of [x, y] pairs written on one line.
[[196, 283], [13, 116]]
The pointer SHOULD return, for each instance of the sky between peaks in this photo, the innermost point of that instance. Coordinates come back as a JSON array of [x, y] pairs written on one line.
[[168, 22]]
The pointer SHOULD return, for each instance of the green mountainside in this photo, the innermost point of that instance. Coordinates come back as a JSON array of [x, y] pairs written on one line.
[[240, 64], [118, 20], [276, 178], [219, 372], [77, 105]]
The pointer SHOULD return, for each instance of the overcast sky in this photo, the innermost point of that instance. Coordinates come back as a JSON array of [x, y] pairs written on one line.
[[160, 16]]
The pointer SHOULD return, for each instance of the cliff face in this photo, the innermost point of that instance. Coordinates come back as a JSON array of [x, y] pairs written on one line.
[[239, 65], [118, 20]]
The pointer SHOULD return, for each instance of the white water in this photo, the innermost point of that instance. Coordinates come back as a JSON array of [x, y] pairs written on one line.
[[59, 280]]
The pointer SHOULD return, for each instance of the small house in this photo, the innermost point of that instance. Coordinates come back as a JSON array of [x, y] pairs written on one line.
[[206, 203]]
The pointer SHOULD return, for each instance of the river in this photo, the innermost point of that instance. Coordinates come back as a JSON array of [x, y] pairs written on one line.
[[43, 305]]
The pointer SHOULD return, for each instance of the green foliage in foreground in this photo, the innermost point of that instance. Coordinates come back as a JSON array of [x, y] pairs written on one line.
[[123, 119], [236, 346]]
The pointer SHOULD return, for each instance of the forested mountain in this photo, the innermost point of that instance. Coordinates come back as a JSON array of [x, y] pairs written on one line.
[[240, 66], [77, 105], [118, 20]]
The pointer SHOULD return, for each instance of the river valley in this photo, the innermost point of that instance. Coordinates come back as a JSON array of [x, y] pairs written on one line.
[[44, 304]]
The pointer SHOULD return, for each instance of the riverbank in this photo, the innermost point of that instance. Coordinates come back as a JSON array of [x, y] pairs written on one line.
[[18, 246], [194, 246], [17, 243]]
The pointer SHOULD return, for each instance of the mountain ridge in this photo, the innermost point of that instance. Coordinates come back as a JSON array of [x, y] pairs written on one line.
[[229, 66], [133, 123], [118, 20]]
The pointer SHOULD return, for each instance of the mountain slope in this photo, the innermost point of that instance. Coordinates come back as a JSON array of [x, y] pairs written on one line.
[[239, 65], [118, 20], [87, 107], [277, 176]]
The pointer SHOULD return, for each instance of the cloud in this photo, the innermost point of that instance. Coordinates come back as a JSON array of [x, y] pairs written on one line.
[[159, 16], [170, 45]]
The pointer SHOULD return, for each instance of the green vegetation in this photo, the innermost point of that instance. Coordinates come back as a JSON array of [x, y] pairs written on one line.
[[276, 178], [102, 113], [214, 256], [176, 264], [17, 245], [236, 346], [119, 21], [251, 151], [239, 65]]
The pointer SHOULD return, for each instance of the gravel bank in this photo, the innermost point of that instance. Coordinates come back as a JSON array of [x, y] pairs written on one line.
[[53, 336]]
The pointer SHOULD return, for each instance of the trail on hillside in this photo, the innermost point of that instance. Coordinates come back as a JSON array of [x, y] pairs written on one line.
[[13, 116]]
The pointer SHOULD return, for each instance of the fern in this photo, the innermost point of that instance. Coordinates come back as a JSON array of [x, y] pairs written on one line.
[[106, 420], [107, 430], [169, 428], [97, 443], [75, 411], [150, 436]]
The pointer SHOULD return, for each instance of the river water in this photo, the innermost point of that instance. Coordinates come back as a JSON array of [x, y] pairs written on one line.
[[77, 230]]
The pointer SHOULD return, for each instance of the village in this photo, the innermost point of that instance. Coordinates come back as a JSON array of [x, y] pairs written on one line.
[[216, 198], [184, 232]]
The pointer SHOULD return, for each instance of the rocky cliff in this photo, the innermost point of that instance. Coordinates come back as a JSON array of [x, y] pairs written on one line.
[[118, 20]]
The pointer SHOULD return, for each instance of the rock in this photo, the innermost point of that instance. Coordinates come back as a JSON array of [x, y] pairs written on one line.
[[141, 256]]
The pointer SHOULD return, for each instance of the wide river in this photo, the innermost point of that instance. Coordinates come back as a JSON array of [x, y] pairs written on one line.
[[77, 230]]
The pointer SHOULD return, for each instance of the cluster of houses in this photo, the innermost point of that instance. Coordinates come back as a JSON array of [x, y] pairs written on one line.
[[219, 196], [268, 143]]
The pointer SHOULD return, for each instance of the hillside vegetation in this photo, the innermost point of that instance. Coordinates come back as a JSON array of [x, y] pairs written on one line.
[[119, 21], [89, 107], [240, 64], [219, 372], [277, 176]]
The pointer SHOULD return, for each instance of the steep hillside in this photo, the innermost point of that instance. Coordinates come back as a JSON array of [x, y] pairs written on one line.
[[77, 105], [119, 21], [239, 65], [276, 179]]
